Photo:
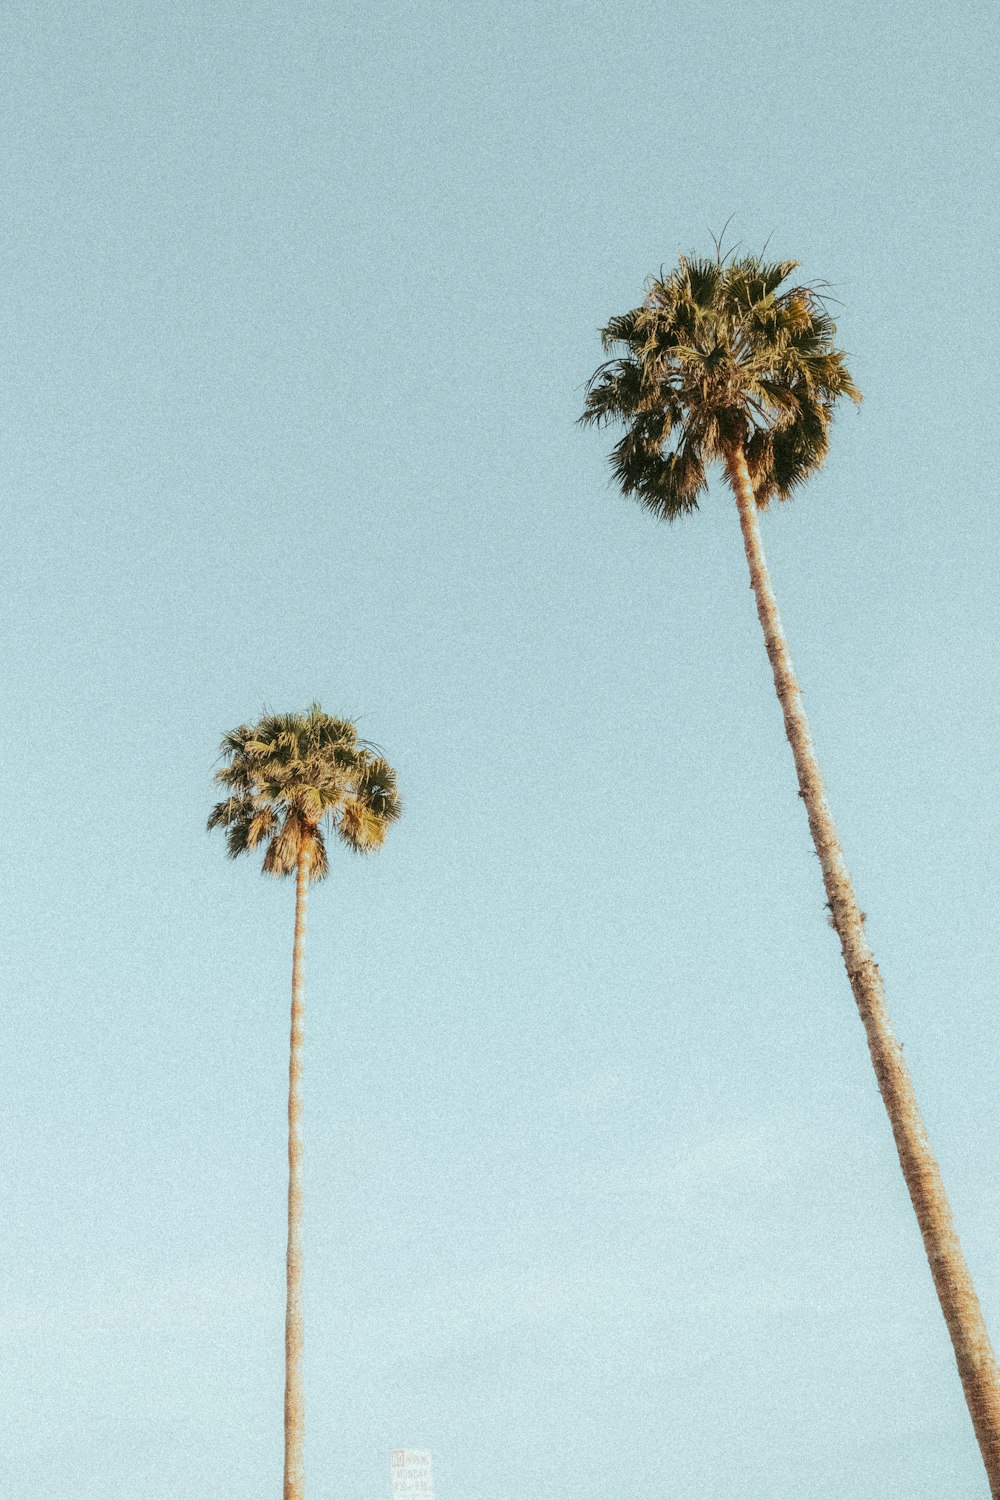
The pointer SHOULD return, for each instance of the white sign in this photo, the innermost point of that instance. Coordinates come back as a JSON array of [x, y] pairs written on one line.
[[411, 1474]]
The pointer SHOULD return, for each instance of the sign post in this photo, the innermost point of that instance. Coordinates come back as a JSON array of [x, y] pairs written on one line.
[[411, 1474]]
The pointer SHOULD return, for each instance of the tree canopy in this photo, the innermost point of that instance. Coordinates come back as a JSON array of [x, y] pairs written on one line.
[[291, 779], [718, 354]]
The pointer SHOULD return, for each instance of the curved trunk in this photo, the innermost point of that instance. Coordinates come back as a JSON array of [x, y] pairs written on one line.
[[294, 1405], [973, 1352]]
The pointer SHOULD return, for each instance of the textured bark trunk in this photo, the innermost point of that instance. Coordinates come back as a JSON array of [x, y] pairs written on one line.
[[973, 1352], [294, 1404]]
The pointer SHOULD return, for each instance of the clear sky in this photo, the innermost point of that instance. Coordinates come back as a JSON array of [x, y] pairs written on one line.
[[298, 305]]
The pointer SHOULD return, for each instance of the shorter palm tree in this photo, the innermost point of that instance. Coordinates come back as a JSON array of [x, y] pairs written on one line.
[[293, 779]]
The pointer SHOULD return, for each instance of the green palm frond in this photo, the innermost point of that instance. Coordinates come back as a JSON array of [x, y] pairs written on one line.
[[669, 486], [261, 826], [614, 392], [365, 818], [720, 353], [378, 791], [289, 776], [621, 330], [360, 828], [782, 458], [232, 810]]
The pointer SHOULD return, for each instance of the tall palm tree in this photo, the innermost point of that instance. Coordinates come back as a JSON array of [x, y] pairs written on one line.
[[292, 779], [725, 363]]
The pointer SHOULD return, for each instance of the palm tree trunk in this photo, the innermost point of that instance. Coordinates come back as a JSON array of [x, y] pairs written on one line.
[[977, 1365], [294, 1404]]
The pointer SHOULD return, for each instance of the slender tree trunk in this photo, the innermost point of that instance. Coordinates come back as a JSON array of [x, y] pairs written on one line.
[[294, 1403], [973, 1352]]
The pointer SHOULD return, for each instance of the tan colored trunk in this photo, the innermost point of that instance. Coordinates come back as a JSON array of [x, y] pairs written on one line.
[[973, 1352], [294, 1402]]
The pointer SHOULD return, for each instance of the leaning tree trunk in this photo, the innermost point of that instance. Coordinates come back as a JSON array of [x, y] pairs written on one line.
[[294, 1404], [973, 1352]]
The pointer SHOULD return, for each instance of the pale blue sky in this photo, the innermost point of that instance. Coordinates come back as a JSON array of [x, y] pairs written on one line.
[[299, 301]]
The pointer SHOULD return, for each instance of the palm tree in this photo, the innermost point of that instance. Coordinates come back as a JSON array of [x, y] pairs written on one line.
[[291, 779], [723, 362]]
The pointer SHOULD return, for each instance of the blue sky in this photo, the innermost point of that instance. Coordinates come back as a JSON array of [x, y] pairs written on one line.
[[600, 1197]]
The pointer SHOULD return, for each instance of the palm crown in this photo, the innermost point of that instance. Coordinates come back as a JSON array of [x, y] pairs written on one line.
[[718, 355], [292, 775]]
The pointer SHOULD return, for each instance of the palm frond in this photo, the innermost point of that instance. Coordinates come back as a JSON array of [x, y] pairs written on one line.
[[360, 828], [620, 330], [319, 864], [230, 811], [377, 790], [782, 458], [613, 393]]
